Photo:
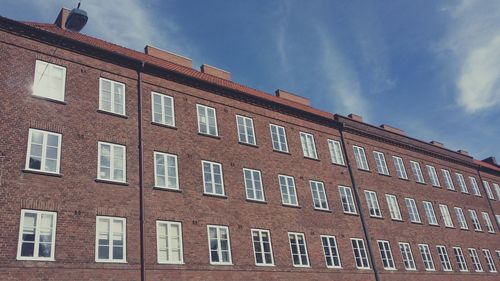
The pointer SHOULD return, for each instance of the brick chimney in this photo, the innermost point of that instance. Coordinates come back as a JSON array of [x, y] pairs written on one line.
[[292, 97], [393, 129], [491, 160], [62, 17], [464, 152], [436, 143], [208, 69], [168, 56], [355, 117]]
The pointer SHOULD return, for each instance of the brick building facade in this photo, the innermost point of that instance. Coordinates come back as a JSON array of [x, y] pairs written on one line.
[[121, 165]]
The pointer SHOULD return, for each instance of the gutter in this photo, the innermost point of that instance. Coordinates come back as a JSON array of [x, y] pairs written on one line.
[[141, 172]]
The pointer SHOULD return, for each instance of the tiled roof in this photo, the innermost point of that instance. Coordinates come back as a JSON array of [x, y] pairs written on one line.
[[487, 165]]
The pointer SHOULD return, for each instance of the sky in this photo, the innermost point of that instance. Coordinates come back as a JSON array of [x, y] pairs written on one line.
[[430, 68]]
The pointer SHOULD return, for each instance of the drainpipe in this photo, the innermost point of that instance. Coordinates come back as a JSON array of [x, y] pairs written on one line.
[[487, 198], [141, 172], [358, 203]]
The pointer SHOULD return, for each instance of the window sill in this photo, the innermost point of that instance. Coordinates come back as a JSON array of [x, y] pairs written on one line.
[[221, 264], [375, 217], [256, 201], [248, 144], [337, 164], [112, 182], [291, 206], [404, 179], [208, 135], [434, 225], [323, 210], [385, 175], [48, 99], [215, 195], [416, 222], [167, 189], [351, 214], [364, 170], [35, 259], [421, 183], [450, 227], [437, 186], [310, 158], [170, 263], [163, 125], [42, 173], [112, 114], [117, 262], [282, 152], [397, 220], [453, 190]]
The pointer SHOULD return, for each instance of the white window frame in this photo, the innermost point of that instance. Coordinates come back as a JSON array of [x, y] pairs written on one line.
[[392, 203], [386, 255], [166, 158], [429, 212], [36, 242], [475, 186], [358, 245], [244, 135], [444, 258], [336, 154], [334, 255], [111, 162], [255, 177], [461, 218], [487, 220], [411, 205], [169, 224], [497, 190], [44, 151], [163, 114], [373, 205], [487, 187], [360, 157], [448, 181], [46, 68], [112, 96], [296, 235], [417, 172], [489, 260], [291, 191], [476, 262], [349, 207], [219, 248], [381, 163], [206, 110], [407, 255], [433, 176], [110, 238], [475, 220], [279, 144], [400, 167], [425, 253], [445, 214], [261, 243], [462, 183], [459, 255], [318, 193], [212, 178], [308, 145]]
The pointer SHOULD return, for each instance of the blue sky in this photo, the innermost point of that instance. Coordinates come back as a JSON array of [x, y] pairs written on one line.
[[431, 68]]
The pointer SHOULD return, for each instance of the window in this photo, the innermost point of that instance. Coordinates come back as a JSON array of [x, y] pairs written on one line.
[[445, 213], [331, 251], [347, 200], [359, 155], [166, 174], [49, 80], [246, 132], [475, 260], [111, 96], [37, 235], [386, 255], [392, 202], [288, 193], [336, 152], [447, 180], [207, 120], [163, 109], [372, 201], [487, 220], [443, 257], [461, 218], [213, 181], [475, 220], [461, 183], [475, 187], [253, 185], [412, 210], [489, 261], [278, 136], [381, 164], [319, 195], [429, 212], [433, 176], [169, 242], [407, 255], [110, 239], [262, 247], [426, 257], [219, 245], [498, 218], [459, 255], [360, 255], [417, 172], [400, 167], [308, 146], [497, 190], [298, 249], [488, 190], [44, 151], [111, 162]]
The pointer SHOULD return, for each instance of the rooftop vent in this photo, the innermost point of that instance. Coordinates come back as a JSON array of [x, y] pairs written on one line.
[[392, 129], [355, 117], [292, 97], [208, 69], [168, 56], [491, 160], [62, 17], [436, 143], [461, 151]]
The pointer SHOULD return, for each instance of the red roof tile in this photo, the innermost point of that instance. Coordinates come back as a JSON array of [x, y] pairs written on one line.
[[487, 165]]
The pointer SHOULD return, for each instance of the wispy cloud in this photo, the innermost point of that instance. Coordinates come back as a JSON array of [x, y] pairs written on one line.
[[474, 40]]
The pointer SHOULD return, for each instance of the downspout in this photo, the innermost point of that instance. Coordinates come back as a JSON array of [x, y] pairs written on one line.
[[358, 203], [141, 172], [487, 198]]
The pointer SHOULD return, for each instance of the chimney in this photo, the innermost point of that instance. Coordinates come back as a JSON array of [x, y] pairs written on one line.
[[62, 17], [491, 160], [461, 151], [168, 56], [436, 143], [214, 71], [292, 97], [355, 117], [392, 129]]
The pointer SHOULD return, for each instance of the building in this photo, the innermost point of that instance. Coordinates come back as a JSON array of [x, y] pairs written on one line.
[[121, 165]]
